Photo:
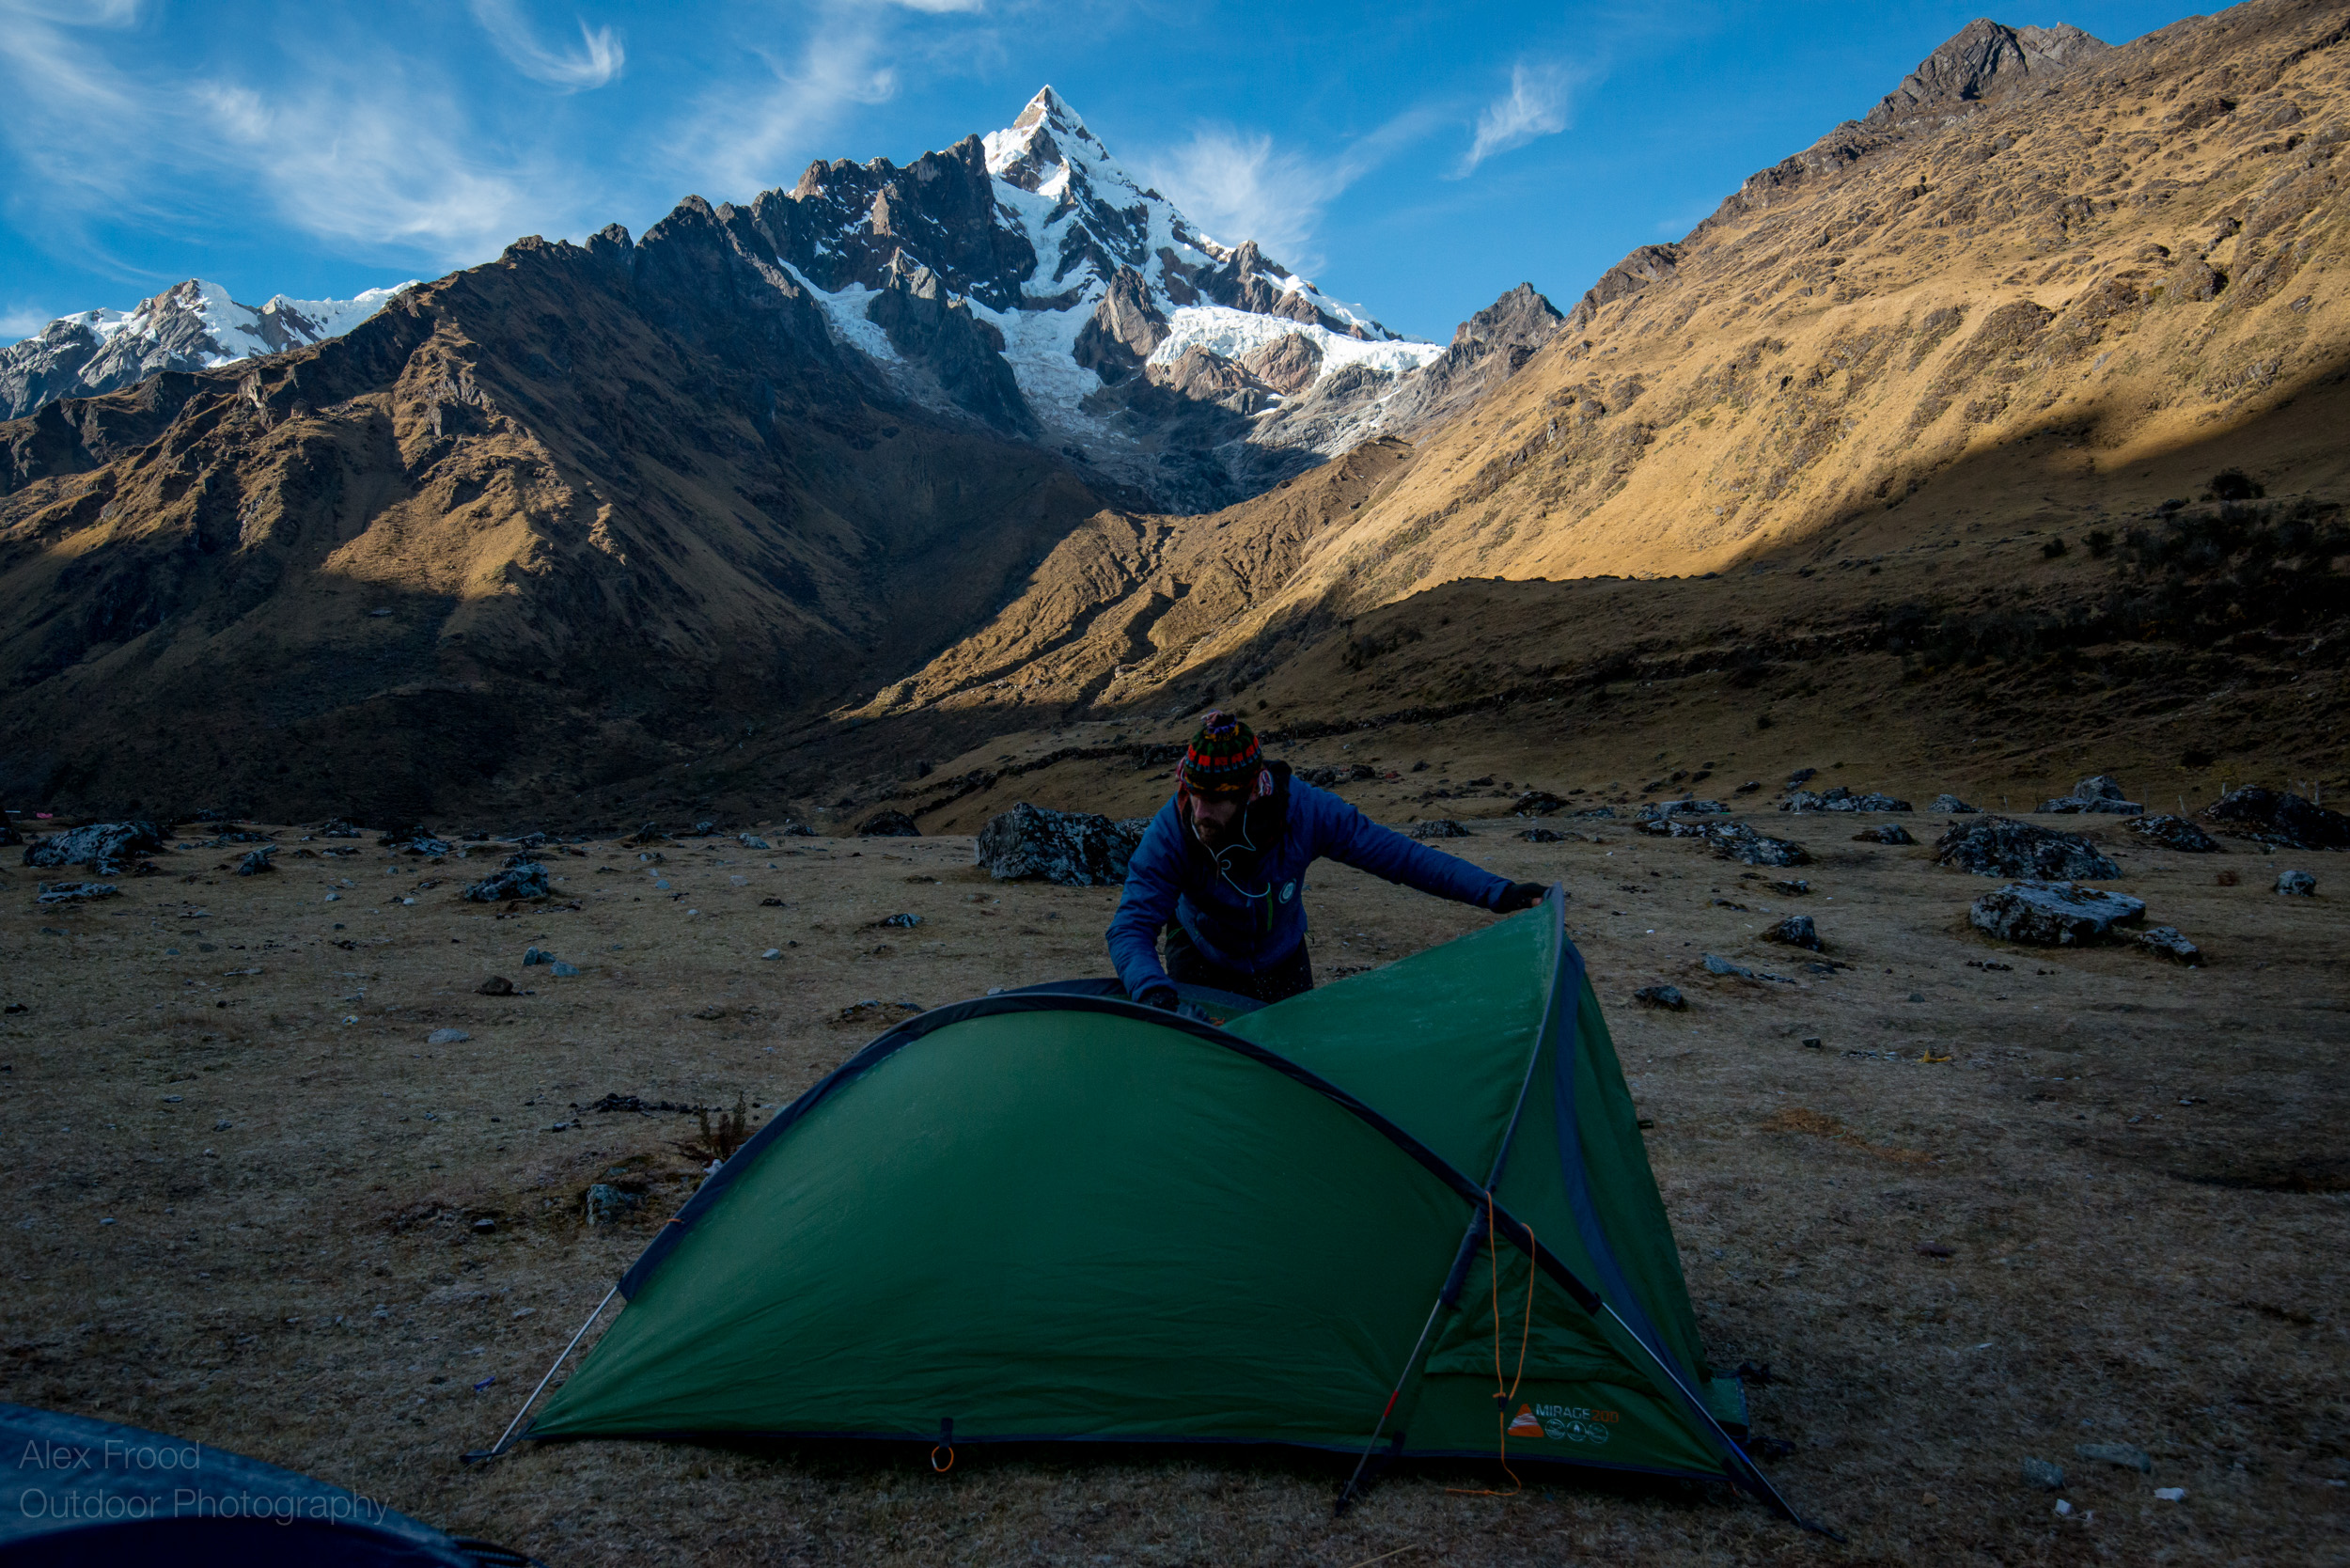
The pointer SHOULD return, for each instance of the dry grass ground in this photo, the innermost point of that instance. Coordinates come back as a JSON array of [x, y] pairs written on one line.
[[2137, 1170]]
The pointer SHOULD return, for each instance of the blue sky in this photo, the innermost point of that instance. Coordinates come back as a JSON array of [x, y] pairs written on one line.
[[1417, 158]]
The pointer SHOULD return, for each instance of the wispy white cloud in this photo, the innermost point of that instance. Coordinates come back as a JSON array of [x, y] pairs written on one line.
[[1536, 105], [1239, 185], [744, 136], [596, 61], [18, 322]]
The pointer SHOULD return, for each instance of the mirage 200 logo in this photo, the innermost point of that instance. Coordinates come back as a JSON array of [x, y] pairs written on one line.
[[1562, 1423]]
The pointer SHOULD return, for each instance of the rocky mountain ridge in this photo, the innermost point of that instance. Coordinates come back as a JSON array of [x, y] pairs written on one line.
[[193, 325]]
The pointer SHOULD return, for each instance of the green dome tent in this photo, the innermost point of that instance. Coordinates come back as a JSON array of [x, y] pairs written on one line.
[[1054, 1215]]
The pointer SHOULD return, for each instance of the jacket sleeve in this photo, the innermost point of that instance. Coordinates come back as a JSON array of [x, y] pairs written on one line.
[[1343, 833], [1153, 883]]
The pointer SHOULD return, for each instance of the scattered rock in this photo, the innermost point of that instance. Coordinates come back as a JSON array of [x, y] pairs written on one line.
[[1796, 931], [1662, 995], [257, 861], [561, 970], [497, 985], [1440, 828], [1842, 799], [2001, 846], [2045, 1474], [2268, 817], [2101, 793], [1537, 802], [1075, 849], [2296, 883], [1751, 786], [608, 1205], [771, 952], [528, 840], [1950, 805], [2167, 941], [9, 835], [752, 840], [446, 1037], [795, 830], [1607, 812], [2053, 914], [1714, 965], [2121, 1454], [2170, 1493], [1792, 886], [888, 825], [74, 892], [1685, 808], [1739, 842], [101, 846], [2174, 833], [338, 828], [903, 922], [1340, 773], [1546, 836], [1801, 776], [525, 880], [1892, 833], [536, 955]]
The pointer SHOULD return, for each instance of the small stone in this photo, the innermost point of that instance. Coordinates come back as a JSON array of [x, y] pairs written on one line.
[[1792, 886], [2119, 1454], [1813, 1043], [903, 922], [752, 840], [2053, 914], [2298, 885], [2167, 941], [2045, 1474], [536, 955], [2170, 1493], [497, 985], [607, 1204], [482, 1227], [257, 861], [1892, 833], [1662, 995], [561, 970], [1950, 805], [1545, 835], [526, 880], [1715, 965], [1441, 827], [446, 1037], [771, 952], [1796, 931]]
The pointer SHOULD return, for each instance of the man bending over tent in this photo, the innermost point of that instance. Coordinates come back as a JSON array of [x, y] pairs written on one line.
[[1222, 867]]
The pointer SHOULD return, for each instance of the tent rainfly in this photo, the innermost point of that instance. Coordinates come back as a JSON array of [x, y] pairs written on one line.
[[1405, 1215]]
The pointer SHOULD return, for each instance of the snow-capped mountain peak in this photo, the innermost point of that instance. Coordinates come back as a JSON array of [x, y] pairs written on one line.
[[193, 325]]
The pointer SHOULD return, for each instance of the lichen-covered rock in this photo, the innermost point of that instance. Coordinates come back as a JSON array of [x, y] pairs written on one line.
[[888, 825], [2001, 846], [1950, 805], [1892, 833], [1537, 802], [1667, 997], [1796, 931], [2274, 817], [1739, 842], [2168, 942], [103, 846], [2053, 914], [527, 880], [2174, 833], [2102, 794], [1842, 799], [75, 892], [609, 1205], [2296, 885], [1441, 828], [257, 861], [1546, 836], [1075, 849]]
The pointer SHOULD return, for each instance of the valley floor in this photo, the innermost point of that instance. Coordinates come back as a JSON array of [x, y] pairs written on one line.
[[2112, 1214]]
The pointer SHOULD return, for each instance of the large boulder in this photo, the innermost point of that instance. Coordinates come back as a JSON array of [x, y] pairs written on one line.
[[2001, 846], [1842, 799], [525, 879], [2053, 914], [2174, 833], [2274, 817], [101, 846], [2102, 794], [1077, 849], [888, 825]]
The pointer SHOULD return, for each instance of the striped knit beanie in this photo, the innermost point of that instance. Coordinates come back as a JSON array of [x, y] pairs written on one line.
[[1223, 758]]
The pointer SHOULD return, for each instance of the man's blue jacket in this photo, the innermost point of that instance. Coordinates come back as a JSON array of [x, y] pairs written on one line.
[[1246, 905]]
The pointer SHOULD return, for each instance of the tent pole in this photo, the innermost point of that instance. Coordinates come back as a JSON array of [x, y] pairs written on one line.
[[1346, 1492], [499, 1447]]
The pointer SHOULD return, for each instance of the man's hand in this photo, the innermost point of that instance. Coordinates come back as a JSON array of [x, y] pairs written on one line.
[[1161, 996], [1520, 895]]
